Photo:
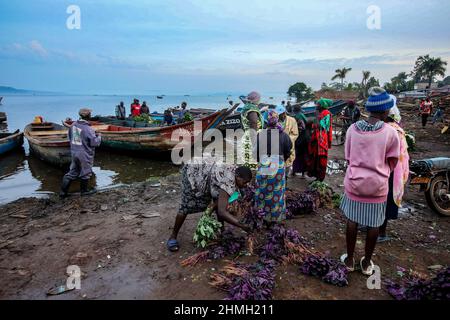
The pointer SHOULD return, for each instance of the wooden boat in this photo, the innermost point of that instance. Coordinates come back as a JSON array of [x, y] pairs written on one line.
[[152, 139], [51, 146], [3, 117], [234, 121], [10, 141]]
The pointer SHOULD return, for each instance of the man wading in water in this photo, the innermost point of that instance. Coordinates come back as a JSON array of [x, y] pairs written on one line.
[[83, 141]]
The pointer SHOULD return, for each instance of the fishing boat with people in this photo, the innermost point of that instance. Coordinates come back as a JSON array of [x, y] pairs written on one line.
[[153, 139], [157, 118], [10, 141]]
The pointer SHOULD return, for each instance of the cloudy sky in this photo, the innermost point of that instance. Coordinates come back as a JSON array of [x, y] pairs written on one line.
[[205, 46]]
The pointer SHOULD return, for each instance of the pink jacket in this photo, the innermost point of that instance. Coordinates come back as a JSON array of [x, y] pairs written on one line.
[[371, 156]]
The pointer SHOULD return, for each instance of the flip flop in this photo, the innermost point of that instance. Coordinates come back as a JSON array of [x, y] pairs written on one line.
[[172, 245], [343, 258], [370, 269]]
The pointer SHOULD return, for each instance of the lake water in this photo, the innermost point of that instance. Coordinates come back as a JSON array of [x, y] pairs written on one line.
[[23, 175]]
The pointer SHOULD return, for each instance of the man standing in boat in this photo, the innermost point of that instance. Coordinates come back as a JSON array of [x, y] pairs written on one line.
[[135, 108], [83, 141]]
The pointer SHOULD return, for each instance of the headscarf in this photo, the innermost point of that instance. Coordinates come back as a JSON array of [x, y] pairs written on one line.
[[253, 97], [394, 112], [273, 121], [300, 116], [324, 103]]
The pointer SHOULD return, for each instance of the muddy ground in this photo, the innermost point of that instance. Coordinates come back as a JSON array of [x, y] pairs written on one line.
[[118, 237]]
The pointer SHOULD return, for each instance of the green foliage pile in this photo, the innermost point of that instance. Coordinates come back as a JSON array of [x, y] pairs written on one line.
[[208, 229]]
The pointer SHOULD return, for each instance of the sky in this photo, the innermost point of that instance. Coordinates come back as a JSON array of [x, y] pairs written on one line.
[[211, 46]]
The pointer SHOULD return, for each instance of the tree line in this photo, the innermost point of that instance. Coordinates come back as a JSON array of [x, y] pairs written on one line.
[[426, 69]]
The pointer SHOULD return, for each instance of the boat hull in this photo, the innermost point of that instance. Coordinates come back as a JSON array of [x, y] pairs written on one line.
[[153, 139], [57, 156], [11, 142], [55, 151]]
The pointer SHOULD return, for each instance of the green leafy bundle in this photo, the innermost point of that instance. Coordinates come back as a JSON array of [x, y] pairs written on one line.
[[143, 118], [208, 229], [188, 117]]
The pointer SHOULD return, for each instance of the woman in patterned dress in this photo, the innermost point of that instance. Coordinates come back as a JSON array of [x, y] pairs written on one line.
[[252, 123], [273, 149], [206, 181]]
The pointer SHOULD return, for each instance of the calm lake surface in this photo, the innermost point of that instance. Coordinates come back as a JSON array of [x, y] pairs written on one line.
[[22, 175]]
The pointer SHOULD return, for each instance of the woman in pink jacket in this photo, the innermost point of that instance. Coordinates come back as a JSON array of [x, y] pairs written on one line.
[[372, 149]]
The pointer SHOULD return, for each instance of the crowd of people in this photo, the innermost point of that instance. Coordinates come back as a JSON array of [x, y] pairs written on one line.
[[294, 143], [298, 144], [170, 116]]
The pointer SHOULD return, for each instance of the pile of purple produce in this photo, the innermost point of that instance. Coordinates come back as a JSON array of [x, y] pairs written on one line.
[[246, 281], [412, 287], [329, 270], [228, 244], [298, 203]]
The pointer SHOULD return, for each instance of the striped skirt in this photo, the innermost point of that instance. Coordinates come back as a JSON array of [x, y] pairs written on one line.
[[366, 214]]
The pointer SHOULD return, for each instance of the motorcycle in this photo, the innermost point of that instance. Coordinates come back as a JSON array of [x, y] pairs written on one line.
[[433, 177]]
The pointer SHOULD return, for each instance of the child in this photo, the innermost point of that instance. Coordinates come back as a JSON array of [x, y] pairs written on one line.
[[372, 149]]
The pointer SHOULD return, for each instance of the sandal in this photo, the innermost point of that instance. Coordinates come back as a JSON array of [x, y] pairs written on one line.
[[343, 258], [383, 239], [172, 245], [370, 269]]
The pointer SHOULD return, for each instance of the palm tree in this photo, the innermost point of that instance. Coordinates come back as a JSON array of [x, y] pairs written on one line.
[[399, 82], [366, 76], [341, 74], [427, 67]]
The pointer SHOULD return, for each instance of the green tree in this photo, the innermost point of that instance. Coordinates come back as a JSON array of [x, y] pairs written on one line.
[[372, 82], [341, 74], [399, 83], [365, 78], [300, 91], [428, 68]]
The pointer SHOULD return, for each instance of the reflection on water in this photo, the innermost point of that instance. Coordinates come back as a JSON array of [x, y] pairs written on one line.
[[23, 176]]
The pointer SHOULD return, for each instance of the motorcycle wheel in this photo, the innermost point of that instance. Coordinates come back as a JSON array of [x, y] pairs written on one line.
[[436, 196]]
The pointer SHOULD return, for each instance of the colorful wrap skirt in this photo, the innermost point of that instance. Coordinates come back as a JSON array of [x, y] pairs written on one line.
[[270, 188]]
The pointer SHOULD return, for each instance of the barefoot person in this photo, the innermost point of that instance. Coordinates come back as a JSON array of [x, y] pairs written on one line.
[[83, 141], [372, 149], [203, 181]]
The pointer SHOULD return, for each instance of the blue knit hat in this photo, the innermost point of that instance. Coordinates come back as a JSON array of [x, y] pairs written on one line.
[[379, 100]]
